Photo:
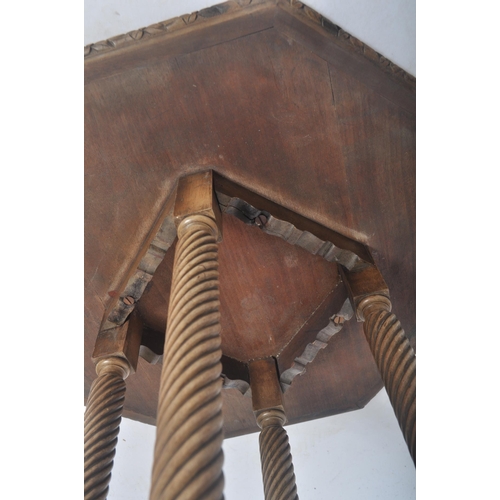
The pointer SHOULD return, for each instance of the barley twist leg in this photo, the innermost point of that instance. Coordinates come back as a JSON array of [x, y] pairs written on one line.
[[188, 450], [395, 360], [276, 457], [102, 424]]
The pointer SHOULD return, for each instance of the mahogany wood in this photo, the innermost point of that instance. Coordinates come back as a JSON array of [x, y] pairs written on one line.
[[225, 186], [361, 284], [122, 341], [351, 57], [276, 458], [188, 447], [396, 361], [264, 382], [102, 424], [281, 106]]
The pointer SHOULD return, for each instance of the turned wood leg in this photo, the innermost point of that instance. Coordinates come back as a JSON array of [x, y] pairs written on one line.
[[102, 424], [116, 353], [389, 345], [395, 360], [276, 457], [188, 450]]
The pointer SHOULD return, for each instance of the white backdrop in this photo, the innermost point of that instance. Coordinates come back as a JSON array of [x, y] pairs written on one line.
[[388, 26], [354, 456]]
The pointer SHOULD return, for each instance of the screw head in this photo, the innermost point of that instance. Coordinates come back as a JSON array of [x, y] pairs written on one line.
[[129, 300], [260, 220]]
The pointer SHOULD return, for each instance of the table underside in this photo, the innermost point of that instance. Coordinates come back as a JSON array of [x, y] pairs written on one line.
[[268, 98]]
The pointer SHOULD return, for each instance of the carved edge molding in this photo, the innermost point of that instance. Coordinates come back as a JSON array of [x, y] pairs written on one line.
[[232, 6], [300, 363], [310, 242], [288, 232], [351, 42], [163, 240], [169, 26], [311, 350], [143, 274]]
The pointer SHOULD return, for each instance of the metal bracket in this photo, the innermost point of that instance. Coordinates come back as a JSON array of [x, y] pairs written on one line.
[[246, 213]]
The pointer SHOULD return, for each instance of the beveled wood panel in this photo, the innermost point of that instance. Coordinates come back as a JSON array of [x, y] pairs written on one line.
[[268, 105], [262, 279], [343, 377]]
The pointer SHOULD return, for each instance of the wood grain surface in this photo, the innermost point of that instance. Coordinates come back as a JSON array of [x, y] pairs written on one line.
[[262, 283], [285, 109]]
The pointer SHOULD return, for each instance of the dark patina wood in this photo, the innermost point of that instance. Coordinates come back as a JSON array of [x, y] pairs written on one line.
[[285, 106]]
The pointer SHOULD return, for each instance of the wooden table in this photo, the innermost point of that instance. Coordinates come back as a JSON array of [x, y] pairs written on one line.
[[289, 111]]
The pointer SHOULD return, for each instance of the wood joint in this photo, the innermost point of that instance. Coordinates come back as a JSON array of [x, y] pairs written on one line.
[[362, 284], [265, 386], [120, 342], [195, 196]]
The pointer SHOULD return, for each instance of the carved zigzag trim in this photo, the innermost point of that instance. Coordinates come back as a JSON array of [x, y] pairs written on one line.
[[299, 364], [288, 232], [334, 326]]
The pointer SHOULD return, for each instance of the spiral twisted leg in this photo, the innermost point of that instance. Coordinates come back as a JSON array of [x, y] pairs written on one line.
[[102, 424], [188, 450], [396, 362], [276, 457]]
